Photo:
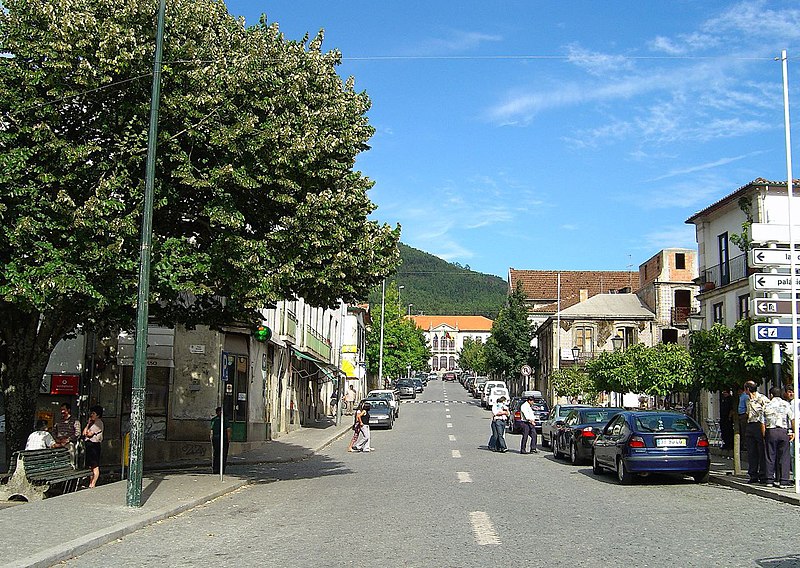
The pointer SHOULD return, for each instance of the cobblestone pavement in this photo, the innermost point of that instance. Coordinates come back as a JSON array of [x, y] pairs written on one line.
[[431, 494]]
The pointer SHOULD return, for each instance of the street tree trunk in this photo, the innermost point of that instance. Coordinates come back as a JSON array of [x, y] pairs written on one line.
[[29, 338]]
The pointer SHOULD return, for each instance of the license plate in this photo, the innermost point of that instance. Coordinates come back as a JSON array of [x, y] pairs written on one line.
[[670, 442]]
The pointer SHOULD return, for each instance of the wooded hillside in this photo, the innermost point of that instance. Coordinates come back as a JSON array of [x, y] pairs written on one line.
[[438, 287]]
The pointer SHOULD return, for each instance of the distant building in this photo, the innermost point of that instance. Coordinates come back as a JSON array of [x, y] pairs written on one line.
[[446, 334]]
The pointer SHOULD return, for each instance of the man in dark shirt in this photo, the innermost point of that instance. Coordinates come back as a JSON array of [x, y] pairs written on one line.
[[216, 431]]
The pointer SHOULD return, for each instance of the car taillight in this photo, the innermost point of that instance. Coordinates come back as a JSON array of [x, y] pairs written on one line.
[[636, 442], [702, 442], [588, 432], [517, 416]]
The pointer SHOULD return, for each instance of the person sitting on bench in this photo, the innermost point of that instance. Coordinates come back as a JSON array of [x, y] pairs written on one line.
[[40, 439]]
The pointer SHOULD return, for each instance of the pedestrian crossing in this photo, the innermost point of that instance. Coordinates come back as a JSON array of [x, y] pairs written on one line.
[[473, 402]]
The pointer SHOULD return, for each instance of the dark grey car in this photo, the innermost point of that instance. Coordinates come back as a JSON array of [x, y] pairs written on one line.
[[557, 414], [406, 389]]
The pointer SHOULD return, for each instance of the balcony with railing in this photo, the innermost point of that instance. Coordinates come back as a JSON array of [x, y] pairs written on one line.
[[725, 273], [318, 344], [288, 325]]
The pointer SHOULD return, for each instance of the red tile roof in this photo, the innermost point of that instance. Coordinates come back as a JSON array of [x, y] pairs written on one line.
[[542, 285], [461, 323]]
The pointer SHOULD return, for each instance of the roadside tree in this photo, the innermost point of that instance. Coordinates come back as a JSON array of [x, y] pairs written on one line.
[[473, 357], [656, 371], [574, 382], [509, 347], [256, 198]]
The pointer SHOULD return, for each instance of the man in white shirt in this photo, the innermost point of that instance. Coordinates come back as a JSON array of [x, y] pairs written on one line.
[[40, 439], [528, 423], [778, 420], [497, 443]]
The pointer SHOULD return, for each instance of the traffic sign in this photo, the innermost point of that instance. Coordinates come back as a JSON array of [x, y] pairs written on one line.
[[526, 370], [773, 282], [773, 307], [772, 257], [771, 332], [771, 232]]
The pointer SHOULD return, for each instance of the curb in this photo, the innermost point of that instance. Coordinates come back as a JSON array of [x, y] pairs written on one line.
[[78, 546], [727, 481]]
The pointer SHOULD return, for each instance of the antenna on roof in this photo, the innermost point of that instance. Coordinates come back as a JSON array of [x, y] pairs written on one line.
[[630, 272]]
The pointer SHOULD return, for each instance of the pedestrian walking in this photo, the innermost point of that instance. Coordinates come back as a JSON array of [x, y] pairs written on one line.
[[349, 400], [726, 419], [778, 426], [334, 401], [788, 396], [528, 426], [93, 438], [754, 435], [497, 443], [217, 428], [362, 442]]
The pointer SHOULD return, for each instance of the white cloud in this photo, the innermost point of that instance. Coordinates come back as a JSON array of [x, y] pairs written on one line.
[[703, 167], [681, 236], [595, 63], [456, 41]]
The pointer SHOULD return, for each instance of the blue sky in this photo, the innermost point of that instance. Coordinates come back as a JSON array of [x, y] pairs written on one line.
[[559, 135]]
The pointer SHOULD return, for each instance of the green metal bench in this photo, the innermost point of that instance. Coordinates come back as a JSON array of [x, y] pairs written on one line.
[[35, 471]]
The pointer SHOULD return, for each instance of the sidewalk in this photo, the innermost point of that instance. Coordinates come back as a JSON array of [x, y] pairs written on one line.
[[100, 515], [722, 474]]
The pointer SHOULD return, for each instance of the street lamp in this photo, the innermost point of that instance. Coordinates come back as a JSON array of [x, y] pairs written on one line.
[[617, 341], [409, 309], [576, 352], [696, 322], [398, 297]]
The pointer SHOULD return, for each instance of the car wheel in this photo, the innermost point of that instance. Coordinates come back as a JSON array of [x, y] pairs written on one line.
[[701, 477], [556, 453], [573, 454], [624, 476], [596, 467]]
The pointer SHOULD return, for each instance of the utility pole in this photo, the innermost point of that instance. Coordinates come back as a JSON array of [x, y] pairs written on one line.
[[134, 493], [380, 356]]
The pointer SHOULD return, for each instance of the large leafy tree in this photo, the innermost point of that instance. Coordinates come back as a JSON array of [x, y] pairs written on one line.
[[574, 382], [725, 357], [473, 357], [656, 371], [256, 195], [509, 346], [404, 343]]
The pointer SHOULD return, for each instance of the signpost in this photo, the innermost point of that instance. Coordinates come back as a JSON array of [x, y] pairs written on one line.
[[772, 257], [771, 332], [773, 282], [770, 307]]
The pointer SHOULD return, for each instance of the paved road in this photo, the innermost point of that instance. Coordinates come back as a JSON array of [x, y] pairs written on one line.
[[432, 495]]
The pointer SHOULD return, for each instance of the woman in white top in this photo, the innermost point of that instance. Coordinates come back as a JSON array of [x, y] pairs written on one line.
[[93, 437]]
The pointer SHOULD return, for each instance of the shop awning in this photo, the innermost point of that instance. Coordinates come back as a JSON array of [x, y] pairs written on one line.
[[329, 372]]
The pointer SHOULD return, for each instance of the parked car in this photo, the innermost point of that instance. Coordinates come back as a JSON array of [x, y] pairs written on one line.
[[557, 414], [575, 437], [381, 413], [449, 376], [432, 376], [418, 386], [487, 388], [638, 442], [406, 389], [539, 406], [469, 383], [477, 386], [389, 395]]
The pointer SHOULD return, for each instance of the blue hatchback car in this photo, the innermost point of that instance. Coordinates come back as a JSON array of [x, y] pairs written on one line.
[[641, 442]]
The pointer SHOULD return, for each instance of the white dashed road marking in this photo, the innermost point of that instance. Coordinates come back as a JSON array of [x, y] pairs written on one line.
[[452, 438], [483, 529], [464, 477], [447, 416], [449, 424], [456, 453]]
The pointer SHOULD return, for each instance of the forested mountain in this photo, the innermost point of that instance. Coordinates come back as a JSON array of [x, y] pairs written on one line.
[[438, 287]]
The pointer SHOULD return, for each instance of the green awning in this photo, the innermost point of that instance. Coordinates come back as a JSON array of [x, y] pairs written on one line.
[[325, 368]]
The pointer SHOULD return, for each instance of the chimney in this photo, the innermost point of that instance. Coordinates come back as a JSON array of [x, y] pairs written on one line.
[[584, 294]]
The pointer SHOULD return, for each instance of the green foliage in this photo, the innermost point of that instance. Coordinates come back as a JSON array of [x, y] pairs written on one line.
[[725, 357], [509, 346], [658, 370], [437, 287], [256, 198], [742, 240], [574, 382], [403, 342], [473, 357]]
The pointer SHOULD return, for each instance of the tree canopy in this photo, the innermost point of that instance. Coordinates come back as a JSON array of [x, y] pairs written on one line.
[[256, 198], [404, 343], [509, 346], [473, 357]]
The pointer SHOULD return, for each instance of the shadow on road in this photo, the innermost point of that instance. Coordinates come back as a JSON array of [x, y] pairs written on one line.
[[319, 465]]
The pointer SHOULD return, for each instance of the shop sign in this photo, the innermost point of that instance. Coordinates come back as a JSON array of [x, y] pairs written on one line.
[[65, 384]]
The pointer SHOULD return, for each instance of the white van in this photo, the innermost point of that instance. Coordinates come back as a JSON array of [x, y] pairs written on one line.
[[496, 393], [487, 388]]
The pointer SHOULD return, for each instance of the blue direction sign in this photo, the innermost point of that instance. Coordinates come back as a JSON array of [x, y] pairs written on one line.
[[771, 332]]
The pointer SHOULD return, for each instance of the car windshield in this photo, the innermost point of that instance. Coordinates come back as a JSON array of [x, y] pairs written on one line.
[[377, 404], [384, 395], [594, 415], [404, 384], [664, 423]]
